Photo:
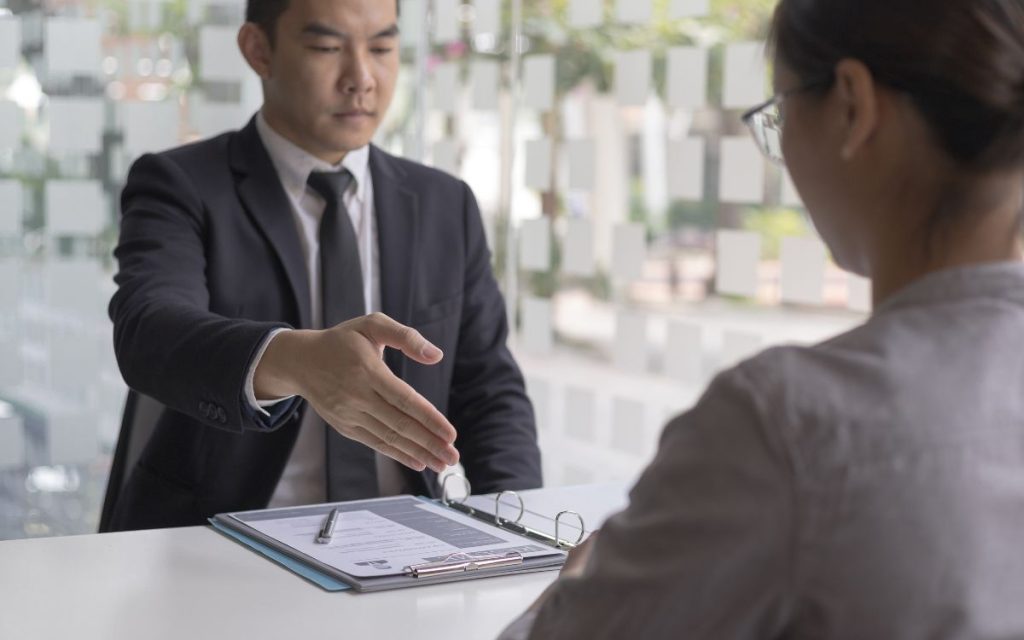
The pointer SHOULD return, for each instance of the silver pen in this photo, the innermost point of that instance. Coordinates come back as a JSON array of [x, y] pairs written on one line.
[[327, 529]]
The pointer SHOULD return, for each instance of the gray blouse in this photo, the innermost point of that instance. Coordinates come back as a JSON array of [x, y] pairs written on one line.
[[868, 487]]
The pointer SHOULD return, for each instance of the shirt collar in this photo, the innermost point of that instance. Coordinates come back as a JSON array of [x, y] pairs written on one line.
[[1003, 280], [294, 164]]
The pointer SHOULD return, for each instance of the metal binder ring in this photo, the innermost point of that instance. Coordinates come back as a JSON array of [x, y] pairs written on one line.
[[563, 543], [497, 507], [444, 488]]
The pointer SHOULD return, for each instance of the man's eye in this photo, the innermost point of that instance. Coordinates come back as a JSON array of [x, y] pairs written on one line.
[[381, 50], [325, 49]]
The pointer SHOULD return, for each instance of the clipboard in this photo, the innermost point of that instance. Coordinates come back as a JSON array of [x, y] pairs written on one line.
[[465, 564]]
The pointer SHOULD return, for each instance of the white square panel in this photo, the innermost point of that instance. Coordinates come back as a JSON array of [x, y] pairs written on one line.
[[632, 77], [446, 156], [76, 125], [629, 431], [630, 347], [535, 244], [146, 15], [446, 27], [12, 441], [859, 294], [745, 75], [581, 164], [11, 125], [73, 437], [446, 87], [738, 255], [72, 46], [686, 169], [150, 126], [790, 196], [537, 332], [413, 22], [684, 352], [578, 249], [212, 118], [741, 178], [75, 208], [688, 8], [633, 11], [10, 42], [803, 270], [487, 19], [687, 77], [539, 82], [579, 414], [629, 250], [74, 286], [539, 392], [538, 164], [738, 346], [219, 57], [485, 77], [11, 208], [585, 14]]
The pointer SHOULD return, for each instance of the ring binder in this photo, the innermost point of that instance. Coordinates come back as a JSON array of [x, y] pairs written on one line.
[[558, 519], [459, 562], [511, 525], [445, 539], [497, 506]]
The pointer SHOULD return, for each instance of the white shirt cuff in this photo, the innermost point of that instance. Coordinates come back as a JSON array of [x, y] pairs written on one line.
[[520, 627], [250, 392]]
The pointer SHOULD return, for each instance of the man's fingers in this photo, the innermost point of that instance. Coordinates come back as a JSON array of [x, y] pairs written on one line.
[[405, 399], [382, 330], [407, 427], [361, 435], [392, 439]]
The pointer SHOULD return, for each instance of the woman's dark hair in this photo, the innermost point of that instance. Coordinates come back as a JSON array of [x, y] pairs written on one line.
[[265, 13], [960, 61]]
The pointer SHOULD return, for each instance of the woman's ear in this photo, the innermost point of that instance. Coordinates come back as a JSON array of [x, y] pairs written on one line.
[[255, 48], [858, 102]]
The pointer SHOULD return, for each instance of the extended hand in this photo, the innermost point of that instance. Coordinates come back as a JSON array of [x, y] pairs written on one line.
[[340, 371]]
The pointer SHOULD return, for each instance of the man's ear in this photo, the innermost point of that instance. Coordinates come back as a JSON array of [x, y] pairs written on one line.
[[255, 48], [858, 99]]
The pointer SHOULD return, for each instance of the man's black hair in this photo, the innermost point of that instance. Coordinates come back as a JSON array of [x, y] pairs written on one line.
[[265, 13]]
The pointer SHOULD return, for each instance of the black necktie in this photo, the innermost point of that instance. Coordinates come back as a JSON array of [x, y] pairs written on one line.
[[351, 466]]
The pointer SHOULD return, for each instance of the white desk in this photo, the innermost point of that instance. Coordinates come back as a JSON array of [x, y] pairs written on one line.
[[194, 583]]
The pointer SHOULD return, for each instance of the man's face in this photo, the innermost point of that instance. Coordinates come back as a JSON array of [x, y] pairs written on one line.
[[331, 73]]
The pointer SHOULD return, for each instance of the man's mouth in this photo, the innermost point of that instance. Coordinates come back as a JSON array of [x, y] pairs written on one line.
[[354, 113]]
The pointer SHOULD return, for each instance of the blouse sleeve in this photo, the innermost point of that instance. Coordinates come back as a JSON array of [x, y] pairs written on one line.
[[706, 547]]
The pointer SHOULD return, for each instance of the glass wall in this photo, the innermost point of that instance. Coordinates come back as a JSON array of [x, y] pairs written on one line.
[[642, 242]]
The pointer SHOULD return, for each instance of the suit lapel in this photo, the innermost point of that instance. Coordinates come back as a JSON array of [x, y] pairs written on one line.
[[397, 210], [260, 190]]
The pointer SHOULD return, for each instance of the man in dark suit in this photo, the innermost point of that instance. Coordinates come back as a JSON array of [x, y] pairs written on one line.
[[263, 273]]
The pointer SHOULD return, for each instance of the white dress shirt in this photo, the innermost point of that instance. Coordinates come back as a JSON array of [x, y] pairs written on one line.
[[304, 478]]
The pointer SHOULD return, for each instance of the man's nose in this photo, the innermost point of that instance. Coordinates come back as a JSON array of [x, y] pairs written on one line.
[[356, 77]]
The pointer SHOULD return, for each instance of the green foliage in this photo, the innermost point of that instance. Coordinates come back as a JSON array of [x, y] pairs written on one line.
[[773, 225]]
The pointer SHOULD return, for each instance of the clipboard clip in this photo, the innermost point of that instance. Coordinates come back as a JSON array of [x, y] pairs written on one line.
[[462, 562]]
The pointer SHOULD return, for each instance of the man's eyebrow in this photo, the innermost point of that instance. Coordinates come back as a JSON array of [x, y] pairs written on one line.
[[320, 29], [390, 32]]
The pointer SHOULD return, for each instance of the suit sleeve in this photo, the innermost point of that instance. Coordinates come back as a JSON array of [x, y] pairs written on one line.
[[706, 548], [168, 344], [488, 404]]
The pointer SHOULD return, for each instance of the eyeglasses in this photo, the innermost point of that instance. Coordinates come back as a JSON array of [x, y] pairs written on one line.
[[766, 119]]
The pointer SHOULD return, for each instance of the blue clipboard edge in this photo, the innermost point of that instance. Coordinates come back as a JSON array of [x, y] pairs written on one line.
[[304, 571]]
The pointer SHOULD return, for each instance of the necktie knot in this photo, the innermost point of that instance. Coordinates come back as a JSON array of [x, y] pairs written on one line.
[[331, 185]]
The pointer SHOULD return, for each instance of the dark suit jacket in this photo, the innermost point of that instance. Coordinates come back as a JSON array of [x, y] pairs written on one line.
[[210, 262]]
